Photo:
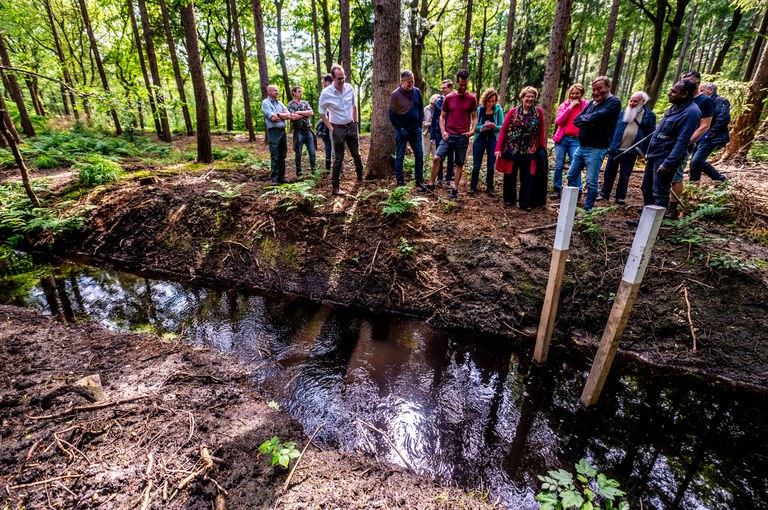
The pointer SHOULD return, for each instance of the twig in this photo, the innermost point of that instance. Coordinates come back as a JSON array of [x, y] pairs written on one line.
[[43, 482], [432, 292], [207, 465], [690, 321], [147, 491], [391, 444], [373, 260], [298, 459], [93, 407], [536, 229]]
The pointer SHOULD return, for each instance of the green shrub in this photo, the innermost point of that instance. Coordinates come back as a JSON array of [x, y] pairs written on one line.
[[399, 202], [6, 159], [96, 170], [282, 453], [296, 194], [45, 160], [589, 490]]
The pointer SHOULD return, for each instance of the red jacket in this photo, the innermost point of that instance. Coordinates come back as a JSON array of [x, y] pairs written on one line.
[[504, 166]]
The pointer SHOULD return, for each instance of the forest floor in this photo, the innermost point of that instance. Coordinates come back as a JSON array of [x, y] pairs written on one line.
[[470, 264]]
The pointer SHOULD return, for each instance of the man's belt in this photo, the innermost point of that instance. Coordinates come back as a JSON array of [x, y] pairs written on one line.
[[343, 125]]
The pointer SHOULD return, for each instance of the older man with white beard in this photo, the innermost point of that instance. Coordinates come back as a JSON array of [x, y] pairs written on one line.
[[637, 122]]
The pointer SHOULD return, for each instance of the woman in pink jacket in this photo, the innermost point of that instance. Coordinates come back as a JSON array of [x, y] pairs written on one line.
[[566, 135]]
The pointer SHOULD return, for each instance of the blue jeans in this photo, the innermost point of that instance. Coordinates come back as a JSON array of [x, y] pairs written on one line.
[[328, 143], [488, 145], [592, 159], [451, 164], [625, 164], [700, 165], [566, 146], [656, 188], [302, 138], [412, 137], [278, 148]]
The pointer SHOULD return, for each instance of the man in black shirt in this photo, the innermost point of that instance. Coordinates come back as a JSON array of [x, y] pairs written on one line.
[[716, 138], [596, 123]]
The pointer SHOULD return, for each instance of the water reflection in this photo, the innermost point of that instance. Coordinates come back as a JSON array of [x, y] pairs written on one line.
[[468, 410]]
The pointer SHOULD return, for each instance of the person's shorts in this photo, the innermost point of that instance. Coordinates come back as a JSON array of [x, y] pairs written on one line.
[[457, 144], [681, 169]]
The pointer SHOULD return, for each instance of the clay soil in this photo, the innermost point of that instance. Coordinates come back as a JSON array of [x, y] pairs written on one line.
[[471, 264]]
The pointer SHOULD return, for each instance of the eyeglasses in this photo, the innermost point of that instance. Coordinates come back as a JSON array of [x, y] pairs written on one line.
[[341, 78]]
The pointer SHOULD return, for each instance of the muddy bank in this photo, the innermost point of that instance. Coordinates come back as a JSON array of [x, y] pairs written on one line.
[[173, 416]]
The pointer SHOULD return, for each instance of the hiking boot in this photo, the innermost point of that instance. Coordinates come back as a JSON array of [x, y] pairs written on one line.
[[672, 212], [555, 195], [509, 204], [439, 184], [472, 192], [600, 198], [454, 194], [621, 201], [490, 193], [633, 223], [447, 184], [400, 183], [420, 188], [430, 188]]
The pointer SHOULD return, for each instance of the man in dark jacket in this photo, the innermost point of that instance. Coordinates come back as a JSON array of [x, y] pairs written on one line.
[[406, 113], [715, 138], [596, 123], [669, 143], [637, 122]]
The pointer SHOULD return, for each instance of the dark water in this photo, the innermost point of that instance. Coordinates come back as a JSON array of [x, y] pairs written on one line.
[[460, 407]]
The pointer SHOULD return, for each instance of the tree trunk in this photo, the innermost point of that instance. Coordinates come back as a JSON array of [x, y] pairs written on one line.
[[467, 34], [261, 46], [636, 60], [280, 52], [327, 35], [507, 52], [152, 58], [204, 154], [176, 69], [668, 51], [15, 91], [63, 62], [99, 64], [481, 54], [746, 124], [756, 48], [566, 74], [143, 65], [417, 17], [33, 92], [316, 45], [609, 33], [215, 110], [12, 143], [619, 63], [555, 59], [243, 77], [745, 48], [345, 47], [731, 32], [684, 47], [386, 63]]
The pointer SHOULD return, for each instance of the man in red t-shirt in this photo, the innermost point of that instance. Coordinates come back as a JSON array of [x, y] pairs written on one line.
[[458, 120]]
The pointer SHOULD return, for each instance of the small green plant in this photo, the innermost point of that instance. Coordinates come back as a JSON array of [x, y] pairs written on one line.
[[45, 160], [228, 193], [589, 490], [587, 223], [406, 250], [282, 453], [296, 194], [729, 262], [257, 164], [273, 405], [96, 170], [399, 202]]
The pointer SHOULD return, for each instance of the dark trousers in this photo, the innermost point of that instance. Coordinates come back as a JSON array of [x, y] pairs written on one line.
[[522, 166], [413, 138], [278, 148], [655, 187], [451, 164], [624, 164], [345, 135], [699, 162], [488, 145]]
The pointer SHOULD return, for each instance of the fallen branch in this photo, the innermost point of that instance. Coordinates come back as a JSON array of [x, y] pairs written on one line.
[[536, 229], [205, 455], [391, 444], [43, 482], [690, 320], [93, 407], [298, 459], [373, 260], [432, 292]]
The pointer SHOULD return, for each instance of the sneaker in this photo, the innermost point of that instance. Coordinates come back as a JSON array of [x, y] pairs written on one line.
[[472, 191], [633, 223], [621, 201], [527, 209], [439, 184], [430, 188], [555, 195], [509, 204], [490, 193], [400, 183], [600, 198], [420, 188], [454, 194], [447, 184]]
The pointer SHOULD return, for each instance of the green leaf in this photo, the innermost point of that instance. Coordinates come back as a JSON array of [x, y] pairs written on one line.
[[293, 454], [623, 505], [608, 488], [562, 477], [546, 497], [571, 499], [585, 468], [587, 506], [284, 460]]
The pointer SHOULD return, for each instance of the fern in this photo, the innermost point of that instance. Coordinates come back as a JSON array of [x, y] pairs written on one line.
[[97, 170], [296, 194], [399, 202]]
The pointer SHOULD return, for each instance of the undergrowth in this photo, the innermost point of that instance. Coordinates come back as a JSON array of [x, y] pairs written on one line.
[[95, 169], [587, 222], [295, 195], [399, 202]]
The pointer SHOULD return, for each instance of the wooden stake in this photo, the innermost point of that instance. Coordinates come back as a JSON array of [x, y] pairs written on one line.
[[637, 262], [556, 269]]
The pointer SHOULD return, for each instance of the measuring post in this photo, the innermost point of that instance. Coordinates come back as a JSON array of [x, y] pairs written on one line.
[[568, 201], [637, 262]]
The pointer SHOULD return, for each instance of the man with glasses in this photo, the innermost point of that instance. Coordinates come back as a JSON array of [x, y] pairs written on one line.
[[339, 99]]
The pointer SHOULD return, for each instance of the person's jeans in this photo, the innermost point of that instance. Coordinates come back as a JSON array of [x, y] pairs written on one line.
[[566, 146], [488, 145], [592, 159], [451, 164], [304, 138], [278, 148], [655, 187], [624, 164], [345, 135], [412, 137], [699, 162], [328, 143]]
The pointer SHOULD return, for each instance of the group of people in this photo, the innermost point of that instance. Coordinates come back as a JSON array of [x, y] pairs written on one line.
[[515, 144]]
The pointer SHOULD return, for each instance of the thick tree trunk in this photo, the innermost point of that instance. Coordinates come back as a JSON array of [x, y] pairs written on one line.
[[619, 65], [507, 52], [756, 48], [15, 91], [176, 70], [566, 74], [730, 34], [636, 62], [99, 64], [386, 63], [63, 62], [327, 35], [745, 48], [241, 66], [143, 66], [9, 139], [345, 45], [316, 47], [204, 154], [261, 46], [557, 44], [669, 49], [481, 54], [33, 93], [416, 33], [467, 36], [153, 69], [280, 52], [746, 124], [686, 39], [609, 34]]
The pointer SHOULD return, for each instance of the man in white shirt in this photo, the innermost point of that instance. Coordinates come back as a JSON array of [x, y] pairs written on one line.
[[339, 99]]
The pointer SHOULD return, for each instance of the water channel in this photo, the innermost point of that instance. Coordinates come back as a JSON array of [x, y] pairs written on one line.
[[463, 408]]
